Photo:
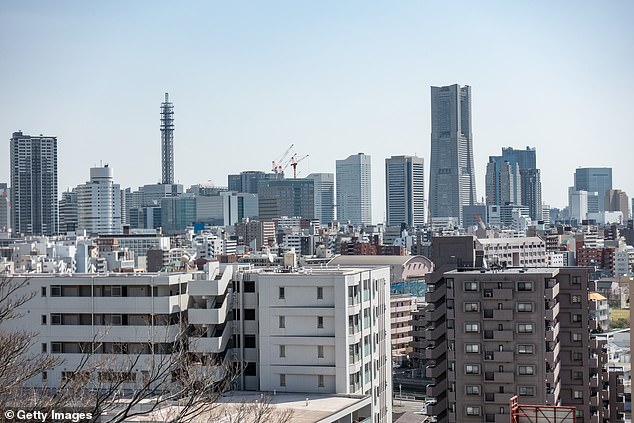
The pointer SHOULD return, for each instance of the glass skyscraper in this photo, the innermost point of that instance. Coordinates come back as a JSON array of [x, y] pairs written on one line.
[[353, 188], [405, 190], [594, 179]]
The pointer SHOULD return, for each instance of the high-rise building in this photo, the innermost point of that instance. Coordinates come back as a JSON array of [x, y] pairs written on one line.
[[249, 180], [354, 191], [514, 178], [324, 196], [68, 211], [616, 200], [452, 176], [5, 212], [286, 197], [594, 179], [167, 141], [33, 184], [405, 190], [99, 203]]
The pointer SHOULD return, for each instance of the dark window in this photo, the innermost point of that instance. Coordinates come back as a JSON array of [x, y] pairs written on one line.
[[43, 291], [249, 314], [249, 341], [250, 369], [249, 286]]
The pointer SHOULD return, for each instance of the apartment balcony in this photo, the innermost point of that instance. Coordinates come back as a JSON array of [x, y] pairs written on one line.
[[553, 395], [433, 352], [438, 408], [402, 309], [433, 315], [595, 400], [401, 319], [499, 356], [502, 398], [399, 330], [504, 377], [434, 371], [551, 293], [503, 294], [552, 312], [593, 324], [215, 344], [434, 296], [215, 314], [434, 390], [552, 333], [211, 288], [553, 374], [141, 305], [503, 315], [593, 363], [498, 335], [594, 381], [215, 371], [435, 333], [595, 418]]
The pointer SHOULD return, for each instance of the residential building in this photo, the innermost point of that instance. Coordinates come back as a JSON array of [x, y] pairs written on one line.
[[452, 174], [354, 189], [324, 187], [68, 218], [594, 179], [255, 234], [405, 190], [5, 210], [99, 203], [33, 202]]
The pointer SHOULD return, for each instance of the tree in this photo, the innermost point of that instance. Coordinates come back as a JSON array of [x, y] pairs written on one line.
[[167, 379]]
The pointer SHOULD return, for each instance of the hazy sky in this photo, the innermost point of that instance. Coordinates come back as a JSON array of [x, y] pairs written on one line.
[[334, 77]]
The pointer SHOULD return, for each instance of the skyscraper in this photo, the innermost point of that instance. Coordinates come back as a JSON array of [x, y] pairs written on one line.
[[353, 184], [452, 176], [33, 184], [405, 190], [324, 196], [594, 179], [167, 141], [99, 203]]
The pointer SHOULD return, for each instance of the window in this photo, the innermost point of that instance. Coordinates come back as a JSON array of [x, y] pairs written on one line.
[[576, 317], [576, 337], [116, 291], [449, 282], [282, 350], [249, 314], [526, 349], [473, 389], [250, 369], [526, 370], [282, 321], [524, 307], [472, 327], [282, 379], [471, 307], [56, 290], [320, 381], [282, 293], [472, 369], [249, 341], [577, 394], [525, 286], [56, 347], [43, 291], [526, 391], [43, 319], [576, 280], [44, 376], [249, 286], [575, 298], [473, 410], [577, 356], [488, 293], [525, 328], [577, 374], [44, 347], [471, 286], [472, 348], [320, 293], [320, 322], [115, 319], [320, 351]]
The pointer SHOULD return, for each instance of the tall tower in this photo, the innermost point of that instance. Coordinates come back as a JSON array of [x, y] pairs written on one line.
[[594, 179], [33, 184], [99, 203], [452, 176], [167, 141], [353, 188], [405, 190]]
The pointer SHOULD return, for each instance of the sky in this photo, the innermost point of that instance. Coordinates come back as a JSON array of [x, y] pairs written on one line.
[[335, 78]]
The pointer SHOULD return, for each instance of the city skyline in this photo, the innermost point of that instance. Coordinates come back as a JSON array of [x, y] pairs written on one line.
[[334, 79]]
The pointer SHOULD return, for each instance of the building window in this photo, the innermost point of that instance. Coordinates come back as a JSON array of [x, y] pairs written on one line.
[[43, 291], [525, 307], [577, 394], [320, 322], [249, 341], [577, 375], [575, 298], [526, 349], [473, 410], [56, 290], [282, 321], [526, 391], [525, 328], [249, 314], [576, 317], [249, 286], [56, 347], [44, 347], [526, 370], [43, 319], [576, 337], [487, 293], [471, 286], [577, 356], [525, 286], [282, 351], [44, 376], [576, 280], [320, 293], [472, 369], [473, 389], [472, 327], [282, 293], [282, 379], [320, 381], [320, 351], [250, 369], [471, 307], [472, 348]]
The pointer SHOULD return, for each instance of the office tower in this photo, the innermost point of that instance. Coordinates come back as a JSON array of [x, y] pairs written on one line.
[[324, 196], [354, 192], [249, 180], [68, 211], [286, 197], [594, 179], [405, 190], [5, 212], [495, 334], [177, 213], [99, 203], [33, 184], [514, 178], [577, 204], [616, 200], [167, 141], [452, 176]]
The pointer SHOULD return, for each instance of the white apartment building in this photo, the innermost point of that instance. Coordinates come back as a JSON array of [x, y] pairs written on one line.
[[513, 252], [99, 203], [318, 331]]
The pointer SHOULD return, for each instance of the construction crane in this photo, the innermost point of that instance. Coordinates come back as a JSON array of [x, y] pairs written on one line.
[[277, 165], [294, 162]]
